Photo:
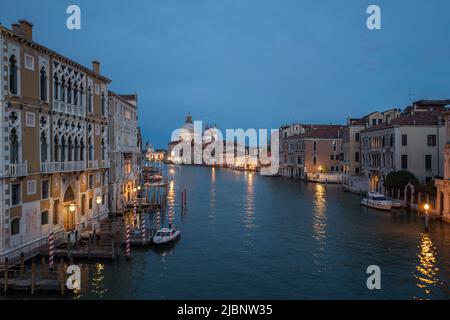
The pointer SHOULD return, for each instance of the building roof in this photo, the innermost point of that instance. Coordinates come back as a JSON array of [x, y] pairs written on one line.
[[52, 53], [323, 132], [126, 98], [414, 118], [356, 122]]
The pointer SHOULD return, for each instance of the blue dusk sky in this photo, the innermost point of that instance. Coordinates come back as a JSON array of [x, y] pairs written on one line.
[[253, 63]]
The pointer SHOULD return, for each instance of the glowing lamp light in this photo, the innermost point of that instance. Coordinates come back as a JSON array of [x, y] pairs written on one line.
[[72, 207], [426, 206], [139, 188], [98, 200]]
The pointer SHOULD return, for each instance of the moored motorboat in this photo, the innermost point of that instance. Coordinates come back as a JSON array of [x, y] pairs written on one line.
[[166, 235], [378, 201]]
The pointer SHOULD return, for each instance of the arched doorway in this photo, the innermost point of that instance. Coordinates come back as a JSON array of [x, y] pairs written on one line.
[[69, 217]]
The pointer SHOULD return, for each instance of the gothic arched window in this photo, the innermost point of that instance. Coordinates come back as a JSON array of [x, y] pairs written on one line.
[[13, 74], [103, 149], [91, 150], [56, 149], [81, 150], [13, 147], [81, 95], [89, 99], [62, 95], [75, 95], [63, 149], [56, 87], [69, 92], [43, 81], [44, 147], [103, 104], [70, 149], [76, 150]]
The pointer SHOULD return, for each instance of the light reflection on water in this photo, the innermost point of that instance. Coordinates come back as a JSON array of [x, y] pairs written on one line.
[[250, 202], [319, 224], [98, 280], [426, 269]]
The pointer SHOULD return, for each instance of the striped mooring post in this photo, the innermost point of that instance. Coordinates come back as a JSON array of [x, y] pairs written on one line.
[[158, 219], [170, 215], [128, 242], [143, 231], [51, 250], [135, 214]]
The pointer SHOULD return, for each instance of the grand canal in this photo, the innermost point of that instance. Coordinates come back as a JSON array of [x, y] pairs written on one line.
[[250, 237]]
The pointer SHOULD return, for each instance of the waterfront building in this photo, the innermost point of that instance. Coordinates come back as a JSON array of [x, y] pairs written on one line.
[[414, 141], [125, 150], [314, 151], [53, 142], [154, 155], [443, 184], [353, 179], [290, 162], [321, 153]]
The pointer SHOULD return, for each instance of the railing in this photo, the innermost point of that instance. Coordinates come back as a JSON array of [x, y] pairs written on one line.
[[18, 170], [55, 167], [93, 164], [60, 106], [104, 164], [31, 248]]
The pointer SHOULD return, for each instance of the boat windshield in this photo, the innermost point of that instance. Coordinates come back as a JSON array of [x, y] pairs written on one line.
[[163, 234], [379, 198]]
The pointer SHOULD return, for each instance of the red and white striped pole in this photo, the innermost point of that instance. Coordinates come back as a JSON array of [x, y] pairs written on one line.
[[128, 243], [170, 215], [51, 249], [143, 231], [158, 220]]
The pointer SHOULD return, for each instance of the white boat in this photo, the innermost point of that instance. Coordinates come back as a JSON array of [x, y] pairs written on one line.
[[166, 235], [378, 201]]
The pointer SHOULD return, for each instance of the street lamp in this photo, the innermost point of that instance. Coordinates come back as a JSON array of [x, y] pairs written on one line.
[[426, 207], [99, 201], [171, 173]]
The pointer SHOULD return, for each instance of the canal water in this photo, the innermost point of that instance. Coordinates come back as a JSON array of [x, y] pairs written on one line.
[[246, 236]]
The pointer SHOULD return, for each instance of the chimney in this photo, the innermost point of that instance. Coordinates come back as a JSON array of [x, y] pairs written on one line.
[[16, 28], [96, 66], [25, 29]]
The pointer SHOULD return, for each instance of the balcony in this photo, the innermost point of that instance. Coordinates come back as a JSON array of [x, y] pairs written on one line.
[[17, 170], [60, 106], [104, 164], [57, 167], [93, 164]]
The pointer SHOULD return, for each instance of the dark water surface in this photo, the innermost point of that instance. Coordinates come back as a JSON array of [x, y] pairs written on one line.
[[251, 237]]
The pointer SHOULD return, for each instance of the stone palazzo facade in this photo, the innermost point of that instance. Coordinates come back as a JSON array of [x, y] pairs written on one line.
[[54, 144]]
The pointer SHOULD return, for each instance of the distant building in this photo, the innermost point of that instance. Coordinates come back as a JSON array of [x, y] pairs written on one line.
[[315, 149], [443, 184], [152, 155], [414, 141], [125, 150], [353, 178]]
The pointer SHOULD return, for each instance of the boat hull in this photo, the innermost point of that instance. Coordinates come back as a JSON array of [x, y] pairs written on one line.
[[378, 206], [166, 240]]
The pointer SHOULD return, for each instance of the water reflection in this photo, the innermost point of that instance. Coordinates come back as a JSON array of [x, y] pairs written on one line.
[[98, 279], [171, 201], [212, 196], [427, 269], [250, 202], [319, 224]]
